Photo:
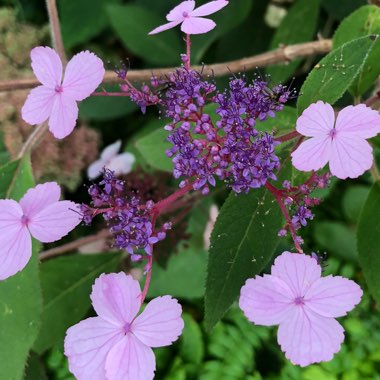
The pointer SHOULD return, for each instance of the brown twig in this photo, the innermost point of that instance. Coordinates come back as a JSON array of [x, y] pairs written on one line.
[[280, 55], [55, 29], [72, 246]]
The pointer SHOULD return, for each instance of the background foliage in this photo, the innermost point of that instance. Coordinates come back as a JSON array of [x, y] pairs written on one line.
[[34, 314]]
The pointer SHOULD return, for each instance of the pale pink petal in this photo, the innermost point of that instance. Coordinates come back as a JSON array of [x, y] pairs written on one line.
[[209, 8], [164, 27], [110, 151], [177, 13], [317, 120], [47, 66], [130, 360], [266, 300], [351, 156], [63, 117], [122, 163], [160, 324], [54, 221], [84, 73], [39, 197], [87, 345], [359, 120], [116, 298], [333, 296], [197, 25], [308, 338], [299, 271], [312, 154], [38, 105], [95, 169], [15, 240]]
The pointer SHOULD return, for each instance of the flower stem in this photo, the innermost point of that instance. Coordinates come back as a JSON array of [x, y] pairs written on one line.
[[149, 264], [55, 29], [33, 139], [289, 136], [188, 51], [278, 196], [161, 206]]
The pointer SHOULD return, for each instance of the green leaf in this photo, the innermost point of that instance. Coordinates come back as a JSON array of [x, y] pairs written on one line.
[[35, 369], [4, 155], [353, 201], [191, 343], [153, 146], [20, 295], [106, 107], [183, 277], [364, 21], [226, 19], [333, 75], [66, 286], [284, 122], [336, 238], [242, 243], [199, 217], [369, 241], [132, 24], [293, 30], [74, 30]]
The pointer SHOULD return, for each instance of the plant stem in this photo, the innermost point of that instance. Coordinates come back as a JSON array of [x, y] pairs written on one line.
[[72, 246], [278, 196], [33, 139], [283, 54], [149, 264], [162, 205], [55, 29], [289, 136], [188, 51]]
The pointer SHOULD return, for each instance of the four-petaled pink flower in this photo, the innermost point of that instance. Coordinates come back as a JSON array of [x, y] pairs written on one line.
[[190, 18], [304, 304], [117, 344], [40, 214], [56, 100], [341, 143]]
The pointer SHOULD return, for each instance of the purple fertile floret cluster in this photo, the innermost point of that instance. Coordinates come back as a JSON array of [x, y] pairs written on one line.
[[231, 149], [129, 221], [299, 200]]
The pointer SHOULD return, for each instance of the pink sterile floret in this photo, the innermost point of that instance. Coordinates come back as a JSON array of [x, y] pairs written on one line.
[[40, 214], [303, 304], [116, 345], [110, 159], [341, 143], [190, 18], [55, 99]]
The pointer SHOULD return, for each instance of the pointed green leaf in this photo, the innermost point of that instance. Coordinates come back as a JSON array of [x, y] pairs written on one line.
[[243, 241], [364, 21], [66, 286], [20, 295], [152, 147], [334, 74]]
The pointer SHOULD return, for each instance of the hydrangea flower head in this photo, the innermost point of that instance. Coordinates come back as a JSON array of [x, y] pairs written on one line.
[[341, 142], [56, 100], [110, 159], [39, 214], [117, 343], [191, 18], [303, 304]]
